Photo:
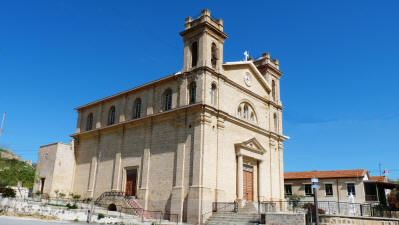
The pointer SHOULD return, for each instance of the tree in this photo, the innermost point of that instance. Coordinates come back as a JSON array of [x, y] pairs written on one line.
[[393, 199], [14, 172]]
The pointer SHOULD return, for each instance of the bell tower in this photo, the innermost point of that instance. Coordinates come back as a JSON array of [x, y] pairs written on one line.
[[203, 42]]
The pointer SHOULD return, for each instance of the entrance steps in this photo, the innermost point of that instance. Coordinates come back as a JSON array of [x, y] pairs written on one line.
[[138, 208], [247, 215], [250, 207], [230, 218]]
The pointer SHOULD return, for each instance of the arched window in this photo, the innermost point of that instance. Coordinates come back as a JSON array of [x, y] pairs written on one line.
[[167, 100], [214, 55], [89, 122], [274, 90], [245, 114], [213, 94], [194, 54], [245, 111], [111, 115], [137, 108], [192, 92], [275, 119]]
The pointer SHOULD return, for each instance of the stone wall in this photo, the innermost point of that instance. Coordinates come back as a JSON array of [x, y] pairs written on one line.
[[285, 219], [330, 219]]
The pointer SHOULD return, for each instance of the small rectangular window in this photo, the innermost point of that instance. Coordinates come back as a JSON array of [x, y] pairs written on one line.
[[329, 189], [288, 189], [351, 189], [308, 190]]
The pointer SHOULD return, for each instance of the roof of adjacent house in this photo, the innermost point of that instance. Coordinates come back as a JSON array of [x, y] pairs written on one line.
[[326, 174], [378, 178]]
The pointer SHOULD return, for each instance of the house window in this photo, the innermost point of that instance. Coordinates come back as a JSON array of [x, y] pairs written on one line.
[[351, 189], [329, 189], [214, 56], [239, 111], [192, 92], [213, 94], [137, 108], [308, 190], [168, 100], [274, 90], [89, 123], [111, 115], [288, 189], [194, 54]]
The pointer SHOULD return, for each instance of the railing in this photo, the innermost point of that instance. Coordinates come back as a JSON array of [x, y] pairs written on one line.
[[156, 215], [224, 207], [109, 193], [326, 207]]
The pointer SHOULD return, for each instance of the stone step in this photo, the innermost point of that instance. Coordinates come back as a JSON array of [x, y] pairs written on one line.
[[233, 219]]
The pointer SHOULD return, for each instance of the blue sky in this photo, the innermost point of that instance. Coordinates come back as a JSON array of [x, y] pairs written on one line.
[[339, 59]]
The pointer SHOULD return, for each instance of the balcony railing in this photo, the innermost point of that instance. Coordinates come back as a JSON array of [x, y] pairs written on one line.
[[371, 198]]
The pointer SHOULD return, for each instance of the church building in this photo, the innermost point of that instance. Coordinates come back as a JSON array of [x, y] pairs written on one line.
[[211, 132]]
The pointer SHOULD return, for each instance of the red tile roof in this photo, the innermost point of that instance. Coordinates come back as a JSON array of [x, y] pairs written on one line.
[[326, 174], [378, 178]]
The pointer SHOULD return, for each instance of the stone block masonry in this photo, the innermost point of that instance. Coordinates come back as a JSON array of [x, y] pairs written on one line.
[[343, 220]]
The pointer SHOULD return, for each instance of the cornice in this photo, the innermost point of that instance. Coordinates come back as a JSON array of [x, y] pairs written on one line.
[[203, 118]]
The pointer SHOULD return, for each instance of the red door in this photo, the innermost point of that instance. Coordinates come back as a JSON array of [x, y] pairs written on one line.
[[248, 185], [131, 177]]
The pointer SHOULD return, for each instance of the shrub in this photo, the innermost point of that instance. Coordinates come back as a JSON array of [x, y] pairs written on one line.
[[100, 216], [294, 200], [76, 220], [74, 206], [310, 207], [8, 192]]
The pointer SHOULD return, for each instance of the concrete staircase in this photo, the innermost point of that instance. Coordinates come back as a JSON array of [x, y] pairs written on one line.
[[247, 215], [230, 218], [137, 208]]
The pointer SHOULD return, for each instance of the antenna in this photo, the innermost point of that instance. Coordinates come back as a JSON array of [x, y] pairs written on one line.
[[2, 123]]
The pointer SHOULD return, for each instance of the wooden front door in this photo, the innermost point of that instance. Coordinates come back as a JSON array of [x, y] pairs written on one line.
[[248, 185], [131, 177], [42, 187]]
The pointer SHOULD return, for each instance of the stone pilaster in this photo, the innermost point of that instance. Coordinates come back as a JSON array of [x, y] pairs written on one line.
[[220, 193], [194, 203], [145, 167], [178, 192], [93, 169], [240, 178]]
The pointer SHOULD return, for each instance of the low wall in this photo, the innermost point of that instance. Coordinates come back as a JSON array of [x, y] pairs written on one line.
[[285, 219], [343, 220]]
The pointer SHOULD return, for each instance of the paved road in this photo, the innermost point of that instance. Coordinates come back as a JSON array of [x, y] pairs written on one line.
[[6, 220]]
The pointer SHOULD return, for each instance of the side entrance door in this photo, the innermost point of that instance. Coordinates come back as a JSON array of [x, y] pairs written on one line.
[[248, 181], [131, 177]]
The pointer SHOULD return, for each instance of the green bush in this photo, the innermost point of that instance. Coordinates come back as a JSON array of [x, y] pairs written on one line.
[[8, 192], [74, 206], [100, 216]]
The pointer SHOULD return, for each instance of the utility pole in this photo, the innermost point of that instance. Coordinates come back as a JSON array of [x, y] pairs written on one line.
[[315, 187], [2, 123]]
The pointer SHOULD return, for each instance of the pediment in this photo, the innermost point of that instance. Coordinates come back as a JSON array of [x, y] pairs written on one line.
[[252, 145], [238, 69]]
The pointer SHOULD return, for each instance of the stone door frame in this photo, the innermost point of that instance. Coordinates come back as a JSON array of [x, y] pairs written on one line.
[[250, 153]]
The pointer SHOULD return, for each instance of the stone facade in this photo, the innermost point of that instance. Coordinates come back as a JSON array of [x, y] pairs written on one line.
[[343, 220], [195, 137], [55, 169]]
